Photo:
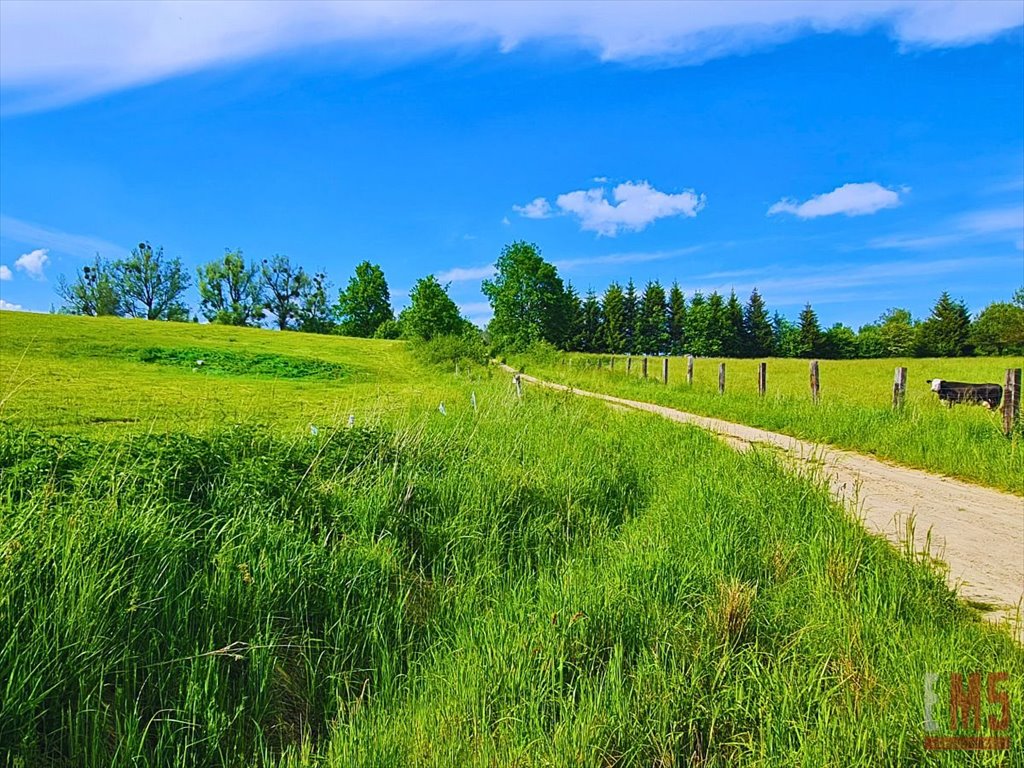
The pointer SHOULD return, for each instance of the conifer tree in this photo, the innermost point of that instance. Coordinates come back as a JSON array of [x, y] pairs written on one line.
[[613, 311], [676, 319], [757, 329], [698, 326], [630, 307], [733, 341], [652, 320], [591, 339], [947, 331], [810, 338]]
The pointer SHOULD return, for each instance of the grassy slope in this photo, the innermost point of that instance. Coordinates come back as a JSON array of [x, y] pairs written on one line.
[[855, 409], [73, 375], [545, 582]]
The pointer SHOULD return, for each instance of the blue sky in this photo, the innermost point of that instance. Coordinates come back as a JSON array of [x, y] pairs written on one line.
[[855, 156]]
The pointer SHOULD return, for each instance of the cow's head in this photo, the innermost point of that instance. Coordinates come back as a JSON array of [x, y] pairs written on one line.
[[936, 384]]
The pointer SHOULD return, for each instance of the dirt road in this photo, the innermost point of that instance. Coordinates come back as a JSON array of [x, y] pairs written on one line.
[[978, 532]]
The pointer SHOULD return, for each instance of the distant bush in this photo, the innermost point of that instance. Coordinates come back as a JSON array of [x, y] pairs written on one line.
[[389, 329], [465, 350]]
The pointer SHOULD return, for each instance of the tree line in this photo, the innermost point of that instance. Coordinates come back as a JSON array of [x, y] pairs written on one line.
[[274, 291], [531, 304]]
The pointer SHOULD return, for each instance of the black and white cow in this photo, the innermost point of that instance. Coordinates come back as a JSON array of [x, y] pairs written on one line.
[[951, 392]]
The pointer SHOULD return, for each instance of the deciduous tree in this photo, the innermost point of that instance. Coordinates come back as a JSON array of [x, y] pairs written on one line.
[[150, 286], [365, 304], [528, 299], [431, 311], [94, 291], [229, 291], [282, 284]]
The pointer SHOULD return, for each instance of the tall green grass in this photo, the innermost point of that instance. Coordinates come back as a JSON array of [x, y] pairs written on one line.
[[854, 411], [216, 570], [535, 583]]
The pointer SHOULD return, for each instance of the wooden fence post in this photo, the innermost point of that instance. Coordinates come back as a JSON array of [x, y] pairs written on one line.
[[721, 378], [629, 363], [689, 370], [611, 363], [645, 366], [762, 379], [899, 387], [815, 381], [600, 363], [1011, 400], [664, 370]]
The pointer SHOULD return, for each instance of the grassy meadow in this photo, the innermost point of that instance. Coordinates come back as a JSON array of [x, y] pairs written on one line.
[[191, 576], [855, 408]]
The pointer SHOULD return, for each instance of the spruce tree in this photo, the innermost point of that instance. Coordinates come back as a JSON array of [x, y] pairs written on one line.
[[733, 341], [573, 320], [613, 311], [947, 331], [717, 326], [590, 334], [757, 329], [810, 338], [697, 326], [630, 307], [676, 319], [652, 320]]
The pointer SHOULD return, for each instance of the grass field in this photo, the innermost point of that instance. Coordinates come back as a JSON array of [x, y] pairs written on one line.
[[190, 576], [855, 408]]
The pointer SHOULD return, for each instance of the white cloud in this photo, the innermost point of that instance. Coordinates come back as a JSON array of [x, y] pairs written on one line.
[[11, 307], [849, 199], [600, 179], [33, 262], [34, 235], [637, 204], [55, 53], [505, 221], [5, 272], [540, 208], [465, 274]]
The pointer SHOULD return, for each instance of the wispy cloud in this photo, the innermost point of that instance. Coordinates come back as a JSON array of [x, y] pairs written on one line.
[[635, 257], [993, 224], [56, 53], [33, 263], [5, 272], [1010, 219], [842, 282], [11, 307], [37, 236], [465, 274], [858, 199]]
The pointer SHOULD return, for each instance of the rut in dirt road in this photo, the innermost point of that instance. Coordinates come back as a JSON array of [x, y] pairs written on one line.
[[978, 532]]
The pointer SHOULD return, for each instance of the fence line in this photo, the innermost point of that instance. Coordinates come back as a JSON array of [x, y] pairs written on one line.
[[1010, 408]]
